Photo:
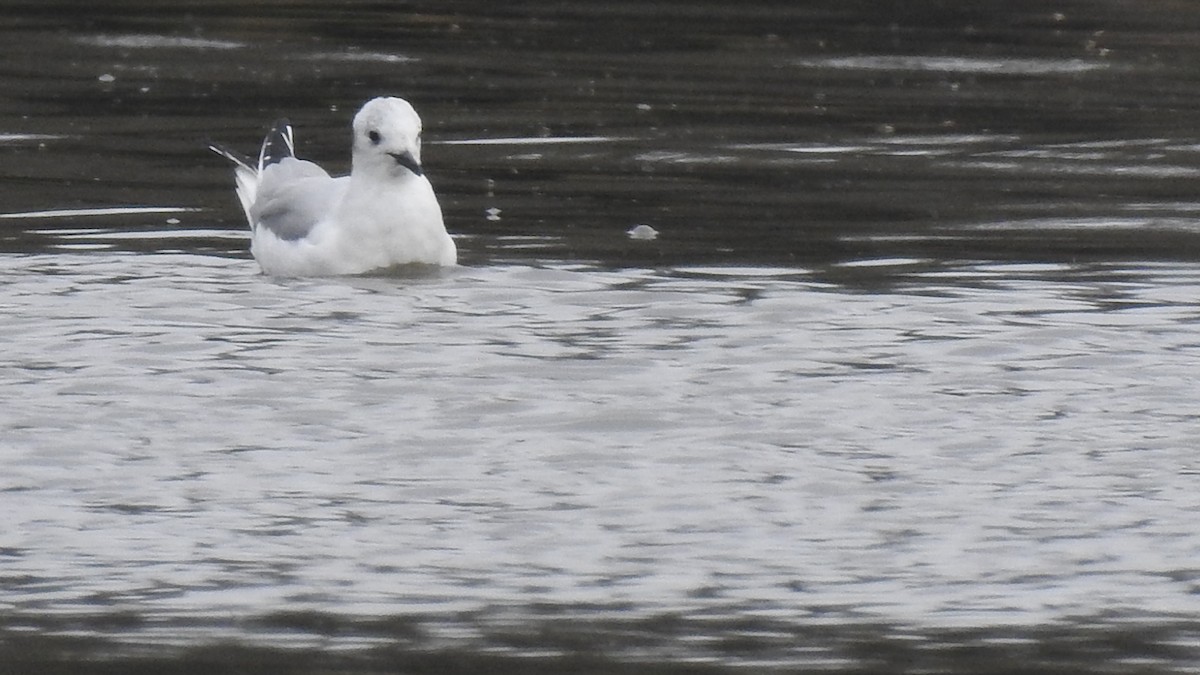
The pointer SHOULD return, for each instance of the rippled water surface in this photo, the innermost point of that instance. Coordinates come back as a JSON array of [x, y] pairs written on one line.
[[902, 382]]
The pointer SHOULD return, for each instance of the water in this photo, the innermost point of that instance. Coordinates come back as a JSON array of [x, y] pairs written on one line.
[[904, 382]]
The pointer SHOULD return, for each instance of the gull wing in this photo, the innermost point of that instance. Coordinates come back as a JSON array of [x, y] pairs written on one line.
[[293, 196]]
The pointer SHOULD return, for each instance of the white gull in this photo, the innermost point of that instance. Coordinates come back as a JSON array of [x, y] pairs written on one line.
[[304, 222]]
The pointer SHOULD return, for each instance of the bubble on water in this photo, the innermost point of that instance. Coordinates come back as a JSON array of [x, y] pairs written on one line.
[[644, 232]]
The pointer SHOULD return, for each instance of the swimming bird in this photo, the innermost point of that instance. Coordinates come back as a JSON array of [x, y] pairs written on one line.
[[304, 222]]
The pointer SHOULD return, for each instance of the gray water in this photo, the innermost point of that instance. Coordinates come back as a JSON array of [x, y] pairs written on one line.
[[904, 383]]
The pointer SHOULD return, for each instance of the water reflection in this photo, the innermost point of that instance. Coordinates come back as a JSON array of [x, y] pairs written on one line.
[[957, 65]]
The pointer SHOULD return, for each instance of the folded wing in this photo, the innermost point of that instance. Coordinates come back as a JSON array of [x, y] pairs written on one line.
[[293, 196]]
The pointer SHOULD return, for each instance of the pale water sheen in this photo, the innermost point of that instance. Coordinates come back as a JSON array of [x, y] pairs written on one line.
[[984, 445]]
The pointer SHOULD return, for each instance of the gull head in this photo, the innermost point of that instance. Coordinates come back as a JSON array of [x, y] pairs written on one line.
[[387, 138]]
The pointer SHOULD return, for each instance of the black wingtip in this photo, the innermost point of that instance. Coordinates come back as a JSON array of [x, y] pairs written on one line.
[[277, 145], [228, 153]]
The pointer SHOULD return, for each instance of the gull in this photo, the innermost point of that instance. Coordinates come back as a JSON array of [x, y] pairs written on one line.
[[303, 222]]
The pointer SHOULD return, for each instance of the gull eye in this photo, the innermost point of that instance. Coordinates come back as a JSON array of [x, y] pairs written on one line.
[[374, 137]]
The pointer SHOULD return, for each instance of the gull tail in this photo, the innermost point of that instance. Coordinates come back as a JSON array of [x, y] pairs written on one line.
[[278, 144], [245, 177]]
